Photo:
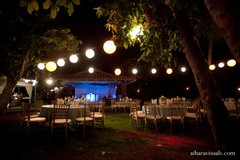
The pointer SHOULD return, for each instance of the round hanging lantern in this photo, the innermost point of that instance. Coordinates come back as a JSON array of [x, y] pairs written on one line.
[[91, 70], [154, 71], [109, 47], [61, 62], [117, 71], [51, 66], [221, 65], [90, 53], [73, 58], [134, 71], [41, 66], [212, 67], [183, 69], [231, 62], [169, 71]]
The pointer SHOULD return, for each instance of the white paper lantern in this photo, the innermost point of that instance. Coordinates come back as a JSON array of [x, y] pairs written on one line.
[[117, 71], [51, 66], [221, 65], [109, 47], [153, 71], [61, 62], [41, 66], [73, 58], [91, 70], [134, 71], [183, 69], [90, 53]]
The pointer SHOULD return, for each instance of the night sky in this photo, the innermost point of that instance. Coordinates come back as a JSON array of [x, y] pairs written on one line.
[[91, 31]]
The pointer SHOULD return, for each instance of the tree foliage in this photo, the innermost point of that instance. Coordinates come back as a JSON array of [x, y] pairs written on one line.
[[52, 5], [26, 40], [158, 39]]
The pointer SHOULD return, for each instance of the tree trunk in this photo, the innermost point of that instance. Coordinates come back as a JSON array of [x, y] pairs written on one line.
[[12, 80], [208, 89], [4, 97], [226, 15]]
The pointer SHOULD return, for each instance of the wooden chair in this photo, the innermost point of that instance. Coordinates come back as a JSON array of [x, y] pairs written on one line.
[[232, 108], [99, 114], [60, 119], [176, 115], [193, 115], [131, 112], [38, 105], [29, 121], [113, 105], [197, 102], [87, 119], [137, 117], [151, 116]]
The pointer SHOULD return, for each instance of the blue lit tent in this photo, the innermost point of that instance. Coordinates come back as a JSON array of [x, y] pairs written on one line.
[[97, 85]]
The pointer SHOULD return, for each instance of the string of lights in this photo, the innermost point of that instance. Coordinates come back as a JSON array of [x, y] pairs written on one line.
[[109, 47]]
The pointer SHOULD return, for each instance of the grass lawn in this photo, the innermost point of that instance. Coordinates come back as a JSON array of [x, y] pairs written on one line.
[[119, 121]]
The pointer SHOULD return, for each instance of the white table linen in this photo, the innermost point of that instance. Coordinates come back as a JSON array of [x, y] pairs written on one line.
[[74, 112], [164, 110]]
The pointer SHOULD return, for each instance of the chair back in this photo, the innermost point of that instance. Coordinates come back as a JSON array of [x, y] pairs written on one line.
[[99, 107], [135, 104], [25, 112], [176, 109], [133, 109], [76, 102], [60, 111], [89, 110], [230, 104], [38, 104], [150, 110]]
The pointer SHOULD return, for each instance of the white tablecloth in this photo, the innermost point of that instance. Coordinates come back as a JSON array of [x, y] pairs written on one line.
[[164, 110], [123, 105], [74, 112]]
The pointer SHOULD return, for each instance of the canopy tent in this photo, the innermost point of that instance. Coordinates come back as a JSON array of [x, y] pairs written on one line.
[[28, 86]]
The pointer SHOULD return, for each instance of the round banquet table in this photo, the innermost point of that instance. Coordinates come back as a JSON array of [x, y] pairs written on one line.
[[74, 112], [164, 110]]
